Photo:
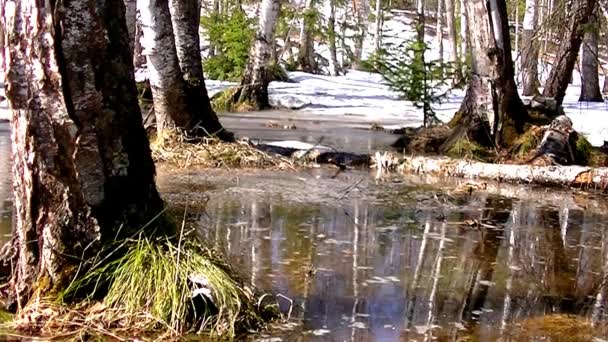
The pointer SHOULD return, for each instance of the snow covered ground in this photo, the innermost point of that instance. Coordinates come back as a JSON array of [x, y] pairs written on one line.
[[364, 96]]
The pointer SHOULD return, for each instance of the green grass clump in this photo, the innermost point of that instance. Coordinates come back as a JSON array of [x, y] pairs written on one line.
[[464, 147], [153, 286], [583, 151], [222, 101]]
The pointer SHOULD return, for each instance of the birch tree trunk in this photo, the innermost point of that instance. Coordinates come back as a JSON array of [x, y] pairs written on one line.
[[492, 112], [452, 37], [306, 53], [330, 21], [439, 28], [168, 88], [590, 81], [361, 8], [529, 54], [561, 73], [465, 41], [81, 161], [253, 88], [2, 37], [378, 26], [185, 17]]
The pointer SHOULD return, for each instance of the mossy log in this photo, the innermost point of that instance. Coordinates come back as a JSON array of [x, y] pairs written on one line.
[[578, 176]]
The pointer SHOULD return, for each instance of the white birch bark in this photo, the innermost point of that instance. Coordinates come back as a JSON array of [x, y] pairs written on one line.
[[330, 22], [465, 49], [361, 9], [529, 56], [254, 85], [452, 36], [163, 67], [378, 26], [439, 28], [581, 176]]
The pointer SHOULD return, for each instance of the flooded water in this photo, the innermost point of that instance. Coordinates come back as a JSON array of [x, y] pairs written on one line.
[[350, 134], [353, 258], [360, 260]]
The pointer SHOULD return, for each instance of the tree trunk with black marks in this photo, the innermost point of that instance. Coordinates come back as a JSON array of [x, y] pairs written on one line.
[[330, 22], [185, 17], [253, 88], [139, 59], [529, 53], [465, 34], [561, 72], [306, 53], [82, 165], [590, 80], [166, 82], [492, 114]]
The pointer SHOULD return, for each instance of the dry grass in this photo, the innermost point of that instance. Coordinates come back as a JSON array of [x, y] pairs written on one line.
[[175, 149]]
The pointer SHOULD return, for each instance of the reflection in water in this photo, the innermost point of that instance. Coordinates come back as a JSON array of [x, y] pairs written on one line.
[[421, 269]]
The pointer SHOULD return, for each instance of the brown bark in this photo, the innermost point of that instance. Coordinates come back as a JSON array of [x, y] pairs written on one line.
[[492, 112], [81, 160], [306, 53], [561, 72]]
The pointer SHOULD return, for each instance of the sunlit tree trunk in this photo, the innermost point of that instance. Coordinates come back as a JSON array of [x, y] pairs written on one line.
[[439, 28], [168, 88], [330, 21], [561, 73], [378, 26], [421, 23], [492, 112], [590, 82], [361, 8], [2, 36], [452, 36], [529, 54], [253, 88], [465, 41], [82, 166], [185, 17], [306, 53]]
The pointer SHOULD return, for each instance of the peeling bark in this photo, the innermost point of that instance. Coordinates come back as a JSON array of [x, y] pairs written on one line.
[[253, 88], [579, 176], [561, 72], [81, 160]]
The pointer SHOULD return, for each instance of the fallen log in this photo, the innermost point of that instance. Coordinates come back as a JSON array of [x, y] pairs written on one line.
[[555, 175]]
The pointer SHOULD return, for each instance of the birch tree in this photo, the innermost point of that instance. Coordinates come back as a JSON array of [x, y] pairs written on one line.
[[378, 26], [465, 27], [590, 82], [253, 88], [439, 28], [452, 36], [81, 159], [529, 55], [492, 112], [561, 72], [306, 53], [174, 68], [330, 22], [361, 9]]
